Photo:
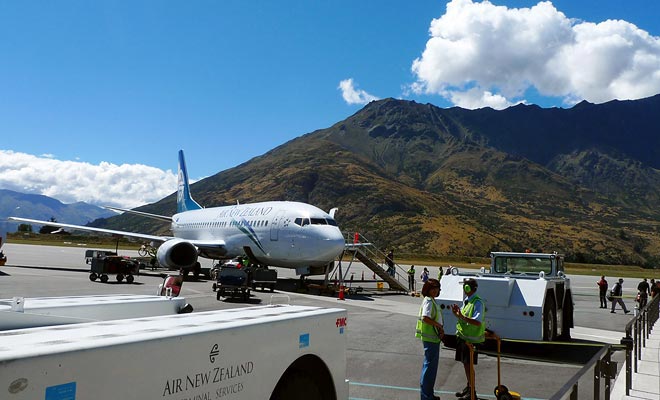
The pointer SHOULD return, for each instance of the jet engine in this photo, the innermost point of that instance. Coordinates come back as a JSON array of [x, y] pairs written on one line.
[[176, 254]]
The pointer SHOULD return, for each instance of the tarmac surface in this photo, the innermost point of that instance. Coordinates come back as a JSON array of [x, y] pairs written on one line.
[[384, 358]]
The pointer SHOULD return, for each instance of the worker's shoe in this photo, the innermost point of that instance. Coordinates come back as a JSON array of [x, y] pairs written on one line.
[[465, 391], [467, 396], [626, 312]]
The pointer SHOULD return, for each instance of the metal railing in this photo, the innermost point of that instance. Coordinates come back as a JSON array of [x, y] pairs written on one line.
[[603, 368], [374, 253], [637, 331]]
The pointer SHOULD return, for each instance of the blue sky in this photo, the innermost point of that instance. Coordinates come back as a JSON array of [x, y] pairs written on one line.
[[102, 94]]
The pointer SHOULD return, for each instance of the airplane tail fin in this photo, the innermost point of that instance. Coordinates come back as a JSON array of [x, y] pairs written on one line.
[[184, 202]]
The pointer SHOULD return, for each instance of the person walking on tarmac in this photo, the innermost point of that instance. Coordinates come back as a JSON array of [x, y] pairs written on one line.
[[602, 291], [470, 328], [643, 292], [411, 278], [617, 292], [425, 275], [430, 330]]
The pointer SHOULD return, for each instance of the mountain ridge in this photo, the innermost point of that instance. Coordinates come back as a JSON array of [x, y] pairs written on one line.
[[435, 182]]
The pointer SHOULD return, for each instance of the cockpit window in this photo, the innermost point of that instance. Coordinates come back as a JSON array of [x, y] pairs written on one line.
[[331, 221], [319, 221], [301, 221]]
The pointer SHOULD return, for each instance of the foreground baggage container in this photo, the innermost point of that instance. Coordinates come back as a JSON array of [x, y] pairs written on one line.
[[276, 352]]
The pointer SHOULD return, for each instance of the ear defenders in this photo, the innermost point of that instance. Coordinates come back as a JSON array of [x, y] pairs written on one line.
[[467, 288]]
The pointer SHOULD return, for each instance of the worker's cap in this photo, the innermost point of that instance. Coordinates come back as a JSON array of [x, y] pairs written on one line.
[[620, 280], [470, 282]]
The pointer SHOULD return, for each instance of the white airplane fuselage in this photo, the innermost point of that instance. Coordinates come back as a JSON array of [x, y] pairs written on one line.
[[279, 233]]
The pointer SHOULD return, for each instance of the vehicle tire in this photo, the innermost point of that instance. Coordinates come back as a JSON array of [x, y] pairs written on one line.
[[272, 288], [120, 277], [142, 252], [549, 319], [567, 318], [93, 276], [130, 279], [104, 278], [254, 286]]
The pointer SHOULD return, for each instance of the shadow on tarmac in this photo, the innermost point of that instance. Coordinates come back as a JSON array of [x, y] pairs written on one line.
[[575, 351]]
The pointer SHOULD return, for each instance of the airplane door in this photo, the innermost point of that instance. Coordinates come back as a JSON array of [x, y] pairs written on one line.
[[275, 226]]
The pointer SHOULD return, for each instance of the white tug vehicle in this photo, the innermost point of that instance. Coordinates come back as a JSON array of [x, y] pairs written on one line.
[[527, 296]]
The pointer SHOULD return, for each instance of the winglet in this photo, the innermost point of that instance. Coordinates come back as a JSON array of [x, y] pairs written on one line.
[[184, 202]]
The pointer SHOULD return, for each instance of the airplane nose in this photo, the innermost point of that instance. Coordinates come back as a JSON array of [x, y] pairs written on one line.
[[334, 243]]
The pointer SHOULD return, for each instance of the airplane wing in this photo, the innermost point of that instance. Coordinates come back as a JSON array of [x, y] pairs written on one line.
[[91, 229], [164, 218]]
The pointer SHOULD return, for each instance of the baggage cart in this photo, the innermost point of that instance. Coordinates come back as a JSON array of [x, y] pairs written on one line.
[[233, 282], [121, 267]]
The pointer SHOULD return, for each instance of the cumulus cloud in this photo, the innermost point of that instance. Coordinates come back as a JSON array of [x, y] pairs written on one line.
[[352, 95], [106, 184], [503, 52]]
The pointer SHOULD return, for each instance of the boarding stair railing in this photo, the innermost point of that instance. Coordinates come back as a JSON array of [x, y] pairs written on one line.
[[357, 246], [638, 330]]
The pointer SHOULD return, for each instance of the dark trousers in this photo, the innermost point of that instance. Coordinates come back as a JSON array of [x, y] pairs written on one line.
[[603, 298]]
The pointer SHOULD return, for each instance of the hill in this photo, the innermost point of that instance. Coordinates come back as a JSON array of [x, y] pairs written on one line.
[[434, 182], [44, 208]]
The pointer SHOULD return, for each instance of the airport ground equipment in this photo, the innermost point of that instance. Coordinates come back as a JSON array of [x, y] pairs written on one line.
[[121, 267], [19, 312], [264, 352], [527, 296], [263, 277], [501, 392], [91, 254], [233, 282], [369, 255]]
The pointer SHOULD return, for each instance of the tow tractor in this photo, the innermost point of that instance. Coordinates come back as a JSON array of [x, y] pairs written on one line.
[[527, 295]]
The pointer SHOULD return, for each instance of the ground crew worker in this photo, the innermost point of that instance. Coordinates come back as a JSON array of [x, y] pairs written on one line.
[[617, 294], [470, 328], [429, 329], [411, 278], [643, 291]]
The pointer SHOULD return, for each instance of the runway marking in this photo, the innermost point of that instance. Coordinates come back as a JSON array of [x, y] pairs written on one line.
[[409, 389]]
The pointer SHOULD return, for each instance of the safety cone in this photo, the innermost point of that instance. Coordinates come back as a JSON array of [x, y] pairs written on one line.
[[341, 293]]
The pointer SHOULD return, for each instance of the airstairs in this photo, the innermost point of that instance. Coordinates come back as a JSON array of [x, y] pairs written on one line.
[[358, 247]]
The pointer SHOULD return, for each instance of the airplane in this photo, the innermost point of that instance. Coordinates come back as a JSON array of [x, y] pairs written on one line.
[[284, 234]]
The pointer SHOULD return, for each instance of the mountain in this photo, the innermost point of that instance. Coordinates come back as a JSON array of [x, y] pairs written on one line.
[[428, 181], [15, 204]]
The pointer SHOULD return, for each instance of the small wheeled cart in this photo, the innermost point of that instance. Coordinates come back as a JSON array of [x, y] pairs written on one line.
[[264, 277], [122, 267], [232, 282]]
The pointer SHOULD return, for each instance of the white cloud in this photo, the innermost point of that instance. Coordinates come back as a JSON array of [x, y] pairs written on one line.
[[478, 98], [125, 186], [352, 95], [500, 51]]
